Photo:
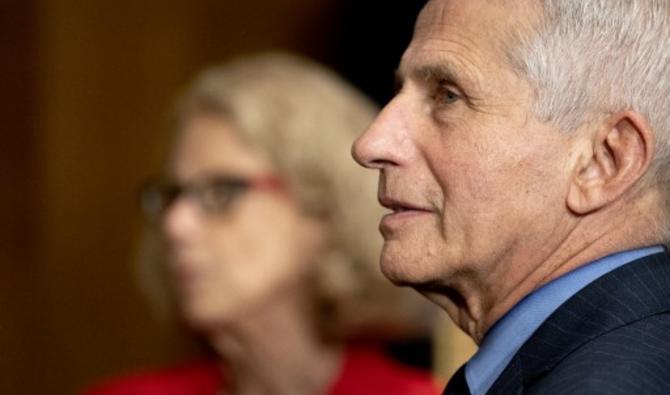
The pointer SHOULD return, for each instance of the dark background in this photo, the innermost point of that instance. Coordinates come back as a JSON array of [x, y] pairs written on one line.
[[85, 89]]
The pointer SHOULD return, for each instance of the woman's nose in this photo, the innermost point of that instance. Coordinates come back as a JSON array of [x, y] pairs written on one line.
[[181, 220]]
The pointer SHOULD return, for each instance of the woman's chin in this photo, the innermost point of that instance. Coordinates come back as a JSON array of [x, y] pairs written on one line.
[[205, 317]]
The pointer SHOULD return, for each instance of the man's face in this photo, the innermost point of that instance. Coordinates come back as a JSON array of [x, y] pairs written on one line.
[[475, 184]]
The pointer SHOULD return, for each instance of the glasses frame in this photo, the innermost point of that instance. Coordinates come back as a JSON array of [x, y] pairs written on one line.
[[157, 195]]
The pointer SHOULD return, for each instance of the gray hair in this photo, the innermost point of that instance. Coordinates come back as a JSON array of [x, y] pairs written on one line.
[[590, 57]]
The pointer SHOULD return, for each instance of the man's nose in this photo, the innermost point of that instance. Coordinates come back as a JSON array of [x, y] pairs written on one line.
[[382, 143]]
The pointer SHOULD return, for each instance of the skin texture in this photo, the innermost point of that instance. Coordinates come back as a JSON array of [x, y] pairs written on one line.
[[220, 265], [487, 202]]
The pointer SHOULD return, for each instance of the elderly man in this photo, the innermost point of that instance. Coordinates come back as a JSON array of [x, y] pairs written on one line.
[[525, 164]]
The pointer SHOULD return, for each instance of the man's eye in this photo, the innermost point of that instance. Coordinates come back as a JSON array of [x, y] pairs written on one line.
[[446, 95]]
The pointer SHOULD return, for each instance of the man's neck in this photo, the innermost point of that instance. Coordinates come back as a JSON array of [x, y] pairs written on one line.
[[480, 304]]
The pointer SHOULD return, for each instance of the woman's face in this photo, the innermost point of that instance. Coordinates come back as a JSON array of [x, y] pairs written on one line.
[[230, 258]]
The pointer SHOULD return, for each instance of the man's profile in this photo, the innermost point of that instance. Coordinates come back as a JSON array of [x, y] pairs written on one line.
[[524, 162]]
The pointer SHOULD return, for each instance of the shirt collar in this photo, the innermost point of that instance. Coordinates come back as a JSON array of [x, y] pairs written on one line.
[[505, 338]]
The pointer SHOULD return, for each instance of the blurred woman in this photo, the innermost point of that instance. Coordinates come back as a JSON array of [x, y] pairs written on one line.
[[268, 232]]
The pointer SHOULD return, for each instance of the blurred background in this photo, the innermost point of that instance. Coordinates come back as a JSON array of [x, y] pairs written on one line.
[[87, 86]]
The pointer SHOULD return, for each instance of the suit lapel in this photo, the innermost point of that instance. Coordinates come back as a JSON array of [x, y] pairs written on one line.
[[633, 291], [510, 381], [457, 385]]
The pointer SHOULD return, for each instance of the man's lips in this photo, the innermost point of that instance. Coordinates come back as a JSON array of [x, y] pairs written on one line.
[[399, 206], [401, 213]]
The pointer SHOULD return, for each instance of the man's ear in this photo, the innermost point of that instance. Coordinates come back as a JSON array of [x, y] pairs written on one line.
[[620, 154]]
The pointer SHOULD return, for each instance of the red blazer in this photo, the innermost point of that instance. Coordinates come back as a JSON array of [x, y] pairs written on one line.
[[365, 371]]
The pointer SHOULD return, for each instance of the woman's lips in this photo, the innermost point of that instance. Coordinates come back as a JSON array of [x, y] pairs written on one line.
[[186, 274]]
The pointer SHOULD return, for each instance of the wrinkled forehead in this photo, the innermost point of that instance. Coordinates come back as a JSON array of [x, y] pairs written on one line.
[[491, 14], [487, 26]]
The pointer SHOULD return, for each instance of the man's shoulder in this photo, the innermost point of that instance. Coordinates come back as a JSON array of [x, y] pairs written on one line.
[[633, 358], [628, 296], [613, 333]]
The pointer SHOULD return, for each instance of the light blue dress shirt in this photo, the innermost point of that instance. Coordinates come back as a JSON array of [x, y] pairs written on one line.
[[507, 336]]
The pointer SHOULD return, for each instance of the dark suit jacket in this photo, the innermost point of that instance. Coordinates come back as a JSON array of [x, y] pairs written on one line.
[[612, 337]]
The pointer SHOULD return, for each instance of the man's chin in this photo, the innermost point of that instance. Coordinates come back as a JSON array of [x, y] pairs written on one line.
[[399, 272]]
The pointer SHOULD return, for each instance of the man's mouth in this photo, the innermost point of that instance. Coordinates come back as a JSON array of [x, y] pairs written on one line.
[[401, 213], [398, 209], [398, 206]]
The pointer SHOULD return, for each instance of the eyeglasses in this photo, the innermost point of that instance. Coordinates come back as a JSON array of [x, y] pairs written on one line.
[[213, 195]]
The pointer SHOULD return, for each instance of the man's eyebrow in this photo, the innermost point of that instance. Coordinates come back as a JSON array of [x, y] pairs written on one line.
[[443, 71], [435, 72]]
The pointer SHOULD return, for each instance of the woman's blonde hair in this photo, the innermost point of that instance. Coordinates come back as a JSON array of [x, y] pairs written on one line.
[[306, 118]]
